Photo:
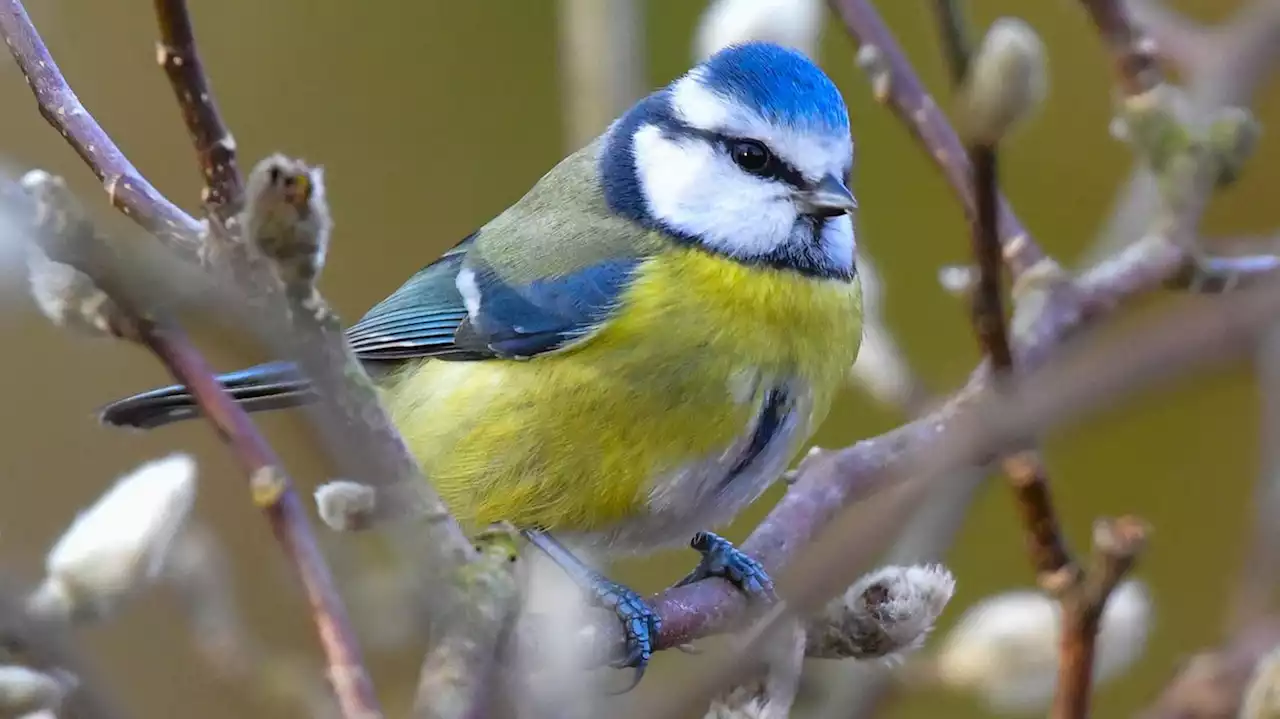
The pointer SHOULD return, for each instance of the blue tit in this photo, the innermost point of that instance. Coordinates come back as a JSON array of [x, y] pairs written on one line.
[[637, 348]]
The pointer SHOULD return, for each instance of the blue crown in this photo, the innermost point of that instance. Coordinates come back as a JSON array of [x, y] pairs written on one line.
[[780, 83]]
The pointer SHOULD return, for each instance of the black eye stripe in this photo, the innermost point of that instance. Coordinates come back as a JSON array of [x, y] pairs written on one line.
[[779, 168]]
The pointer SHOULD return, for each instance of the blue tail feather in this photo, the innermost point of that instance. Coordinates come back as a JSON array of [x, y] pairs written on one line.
[[274, 385]]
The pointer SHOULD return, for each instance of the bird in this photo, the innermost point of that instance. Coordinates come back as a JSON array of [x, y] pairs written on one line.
[[639, 346]]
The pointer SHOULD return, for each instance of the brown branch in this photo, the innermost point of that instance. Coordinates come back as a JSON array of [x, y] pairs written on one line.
[[1133, 54], [1233, 62], [176, 52], [898, 87], [909, 460], [838, 479], [128, 190], [66, 235], [1056, 571], [355, 426], [1256, 584], [954, 35], [275, 494], [1116, 543], [355, 422], [1212, 683], [988, 300]]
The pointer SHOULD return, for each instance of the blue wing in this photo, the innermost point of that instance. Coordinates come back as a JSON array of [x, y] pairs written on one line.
[[421, 318], [428, 317], [538, 277]]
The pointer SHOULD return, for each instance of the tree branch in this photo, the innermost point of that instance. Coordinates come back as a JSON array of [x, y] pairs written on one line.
[[176, 52], [966, 426], [897, 86], [1082, 596], [1227, 70], [361, 427], [67, 236], [1133, 53], [356, 428], [274, 493], [837, 479], [953, 31], [128, 190]]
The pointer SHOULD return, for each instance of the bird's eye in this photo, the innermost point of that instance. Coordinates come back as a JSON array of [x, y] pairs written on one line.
[[750, 155]]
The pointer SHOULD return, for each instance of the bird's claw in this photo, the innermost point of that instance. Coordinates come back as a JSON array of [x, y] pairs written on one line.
[[640, 625], [721, 559]]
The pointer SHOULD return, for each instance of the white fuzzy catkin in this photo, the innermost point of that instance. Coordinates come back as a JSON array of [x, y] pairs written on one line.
[[286, 217], [885, 614], [25, 691], [1262, 696], [792, 23], [67, 297], [118, 545], [1007, 81], [1005, 648], [346, 506]]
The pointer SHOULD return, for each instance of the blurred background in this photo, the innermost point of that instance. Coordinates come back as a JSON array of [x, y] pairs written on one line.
[[430, 117]]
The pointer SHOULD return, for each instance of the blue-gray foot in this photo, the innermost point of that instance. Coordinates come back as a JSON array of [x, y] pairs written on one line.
[[640, 624], [721, 559]]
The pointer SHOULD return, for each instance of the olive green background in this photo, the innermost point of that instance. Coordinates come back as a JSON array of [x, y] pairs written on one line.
[[432, 116]]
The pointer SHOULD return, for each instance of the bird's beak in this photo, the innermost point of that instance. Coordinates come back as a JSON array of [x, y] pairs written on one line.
[[829, 198]]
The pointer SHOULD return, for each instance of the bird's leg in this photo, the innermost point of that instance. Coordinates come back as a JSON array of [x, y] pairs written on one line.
[[721, 559], [640, 623]]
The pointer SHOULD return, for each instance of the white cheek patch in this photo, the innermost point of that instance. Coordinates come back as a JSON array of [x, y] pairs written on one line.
[[693, 188], [813, 154]]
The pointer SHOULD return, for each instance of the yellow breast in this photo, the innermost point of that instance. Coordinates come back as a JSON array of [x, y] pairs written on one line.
[[572, 440]]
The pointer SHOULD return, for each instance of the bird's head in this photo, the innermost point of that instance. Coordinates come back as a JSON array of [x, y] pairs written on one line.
[[747, 155]]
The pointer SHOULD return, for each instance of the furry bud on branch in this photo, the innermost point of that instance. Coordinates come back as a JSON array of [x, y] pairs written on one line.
[[346, 506], [1262, 695], [1006, 83], [25, 692], [1005, 648], [118, 545], [884, 614], [793, 23], [286, 217], [69, 298]]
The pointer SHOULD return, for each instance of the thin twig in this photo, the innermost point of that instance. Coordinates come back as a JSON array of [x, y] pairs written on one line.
[[1028, 478], [1256, 585], [274, 492], [1116, 545], [988, 300], [955, 38], [903, 464], [223, 194], [1235, 60], [898, 86], [1211, 683], [314, 336], [128, 190], [839, 478], [1133, 53], [67, 236], [356, 426]]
